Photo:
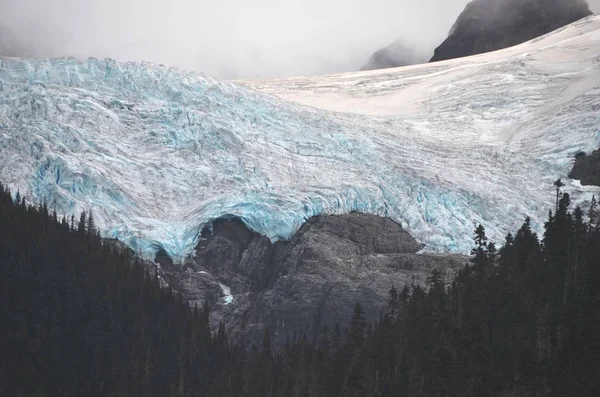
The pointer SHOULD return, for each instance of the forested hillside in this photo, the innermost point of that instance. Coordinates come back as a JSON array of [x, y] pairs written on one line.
[[79, 316]]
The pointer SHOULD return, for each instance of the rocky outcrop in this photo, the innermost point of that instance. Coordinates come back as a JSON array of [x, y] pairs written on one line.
[[587, 168], [297, 286], [489, 25], [394, 55]]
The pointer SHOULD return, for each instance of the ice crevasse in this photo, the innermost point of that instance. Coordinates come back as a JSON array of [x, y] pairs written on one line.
[[158, 153]]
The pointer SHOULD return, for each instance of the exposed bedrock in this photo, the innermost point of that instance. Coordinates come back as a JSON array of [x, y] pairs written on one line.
[[314, 279], [587, 168]]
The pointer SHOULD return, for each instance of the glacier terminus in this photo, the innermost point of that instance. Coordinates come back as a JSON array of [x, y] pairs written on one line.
[[157, 153]]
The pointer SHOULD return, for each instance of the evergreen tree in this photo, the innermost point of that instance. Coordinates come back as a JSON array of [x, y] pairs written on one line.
[[82, 224], [91, 225], [558, 184], [593, 214]]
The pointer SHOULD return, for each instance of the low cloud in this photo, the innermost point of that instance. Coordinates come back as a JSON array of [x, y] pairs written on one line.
[[227, 38]]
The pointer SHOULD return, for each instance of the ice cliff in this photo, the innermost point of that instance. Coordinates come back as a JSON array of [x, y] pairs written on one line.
[[158, 153]]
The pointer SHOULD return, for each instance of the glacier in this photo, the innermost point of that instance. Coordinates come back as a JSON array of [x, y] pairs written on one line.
[[157, 153]]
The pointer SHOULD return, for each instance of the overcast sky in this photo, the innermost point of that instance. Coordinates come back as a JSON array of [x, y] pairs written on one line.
[[226, 38]]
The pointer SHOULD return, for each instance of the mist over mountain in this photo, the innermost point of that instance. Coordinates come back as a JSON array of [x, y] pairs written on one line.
[[395, 54], [226, 39], [267, 40]]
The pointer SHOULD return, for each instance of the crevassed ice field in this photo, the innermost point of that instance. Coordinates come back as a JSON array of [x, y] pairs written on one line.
[[158, 153]]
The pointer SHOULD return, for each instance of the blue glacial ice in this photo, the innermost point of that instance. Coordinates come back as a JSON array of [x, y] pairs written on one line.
[[158, 153]]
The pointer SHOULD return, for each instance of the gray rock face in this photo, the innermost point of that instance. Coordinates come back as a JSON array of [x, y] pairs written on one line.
[[393, 55], [587, 168], [314, 279], [489, 25]]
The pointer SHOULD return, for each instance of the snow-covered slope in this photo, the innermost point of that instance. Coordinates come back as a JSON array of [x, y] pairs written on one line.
[[159, 153]]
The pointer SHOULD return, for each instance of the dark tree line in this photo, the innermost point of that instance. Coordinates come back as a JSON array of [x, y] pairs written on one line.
[[79, 315]]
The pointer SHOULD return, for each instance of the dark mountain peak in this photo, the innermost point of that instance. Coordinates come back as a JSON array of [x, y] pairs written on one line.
[[490, 25]]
